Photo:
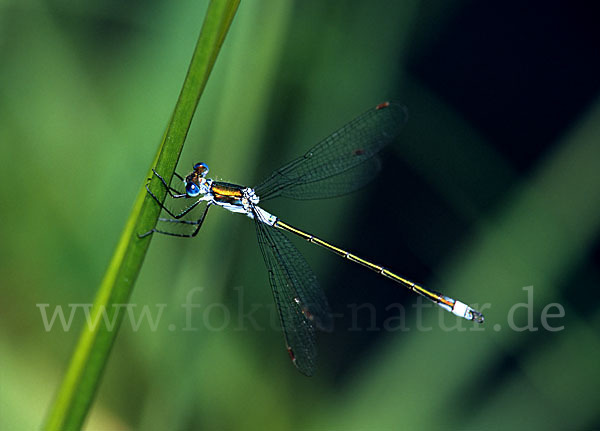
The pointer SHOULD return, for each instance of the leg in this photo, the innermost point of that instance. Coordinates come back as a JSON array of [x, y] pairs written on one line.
[[178, 215], [168, 187], [175, 196], [197, 223]]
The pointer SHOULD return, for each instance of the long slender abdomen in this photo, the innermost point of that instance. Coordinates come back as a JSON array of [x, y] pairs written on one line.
[[455, 307]]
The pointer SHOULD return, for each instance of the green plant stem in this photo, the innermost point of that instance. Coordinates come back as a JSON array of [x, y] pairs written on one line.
[[82, 379]]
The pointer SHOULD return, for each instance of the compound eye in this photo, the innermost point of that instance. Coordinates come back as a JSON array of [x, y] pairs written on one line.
[[192, 190], [201, 168]]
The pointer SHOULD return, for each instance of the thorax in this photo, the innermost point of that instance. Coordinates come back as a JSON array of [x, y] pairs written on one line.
[[232, 197]]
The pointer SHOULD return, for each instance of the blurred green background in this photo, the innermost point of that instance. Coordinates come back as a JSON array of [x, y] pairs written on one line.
[[491, 195]]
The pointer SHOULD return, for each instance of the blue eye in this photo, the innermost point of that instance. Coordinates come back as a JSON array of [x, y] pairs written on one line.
[[192, 190], [201, 168]]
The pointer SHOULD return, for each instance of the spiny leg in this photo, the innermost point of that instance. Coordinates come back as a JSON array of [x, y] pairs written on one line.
[[182, 212], [197, 223], [170, 189], [178, 215], [181, 195]]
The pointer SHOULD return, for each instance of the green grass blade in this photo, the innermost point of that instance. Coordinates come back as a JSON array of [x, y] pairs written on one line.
[[82, 379]]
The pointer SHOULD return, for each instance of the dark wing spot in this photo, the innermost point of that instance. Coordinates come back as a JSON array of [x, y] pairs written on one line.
[[291, 353]]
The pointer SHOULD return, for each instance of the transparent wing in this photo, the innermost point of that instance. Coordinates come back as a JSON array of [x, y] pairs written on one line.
[[301, 304], [344, 153], [337, 185]]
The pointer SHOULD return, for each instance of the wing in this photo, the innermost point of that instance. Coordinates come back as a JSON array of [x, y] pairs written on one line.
[[301, 304], [344, 159]]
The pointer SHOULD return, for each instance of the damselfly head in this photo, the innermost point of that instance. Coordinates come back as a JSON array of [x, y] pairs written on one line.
[[195, 182]]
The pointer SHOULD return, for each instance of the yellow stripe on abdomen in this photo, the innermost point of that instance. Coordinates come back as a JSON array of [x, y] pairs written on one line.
[[434, 296]]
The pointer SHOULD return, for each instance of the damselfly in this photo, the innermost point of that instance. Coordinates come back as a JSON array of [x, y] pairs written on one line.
[[343, 162]]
